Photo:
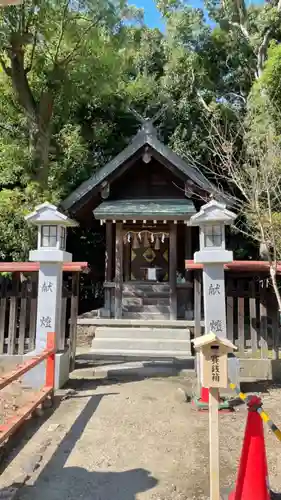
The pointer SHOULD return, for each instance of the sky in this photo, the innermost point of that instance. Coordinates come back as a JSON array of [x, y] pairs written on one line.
[[152, 16]]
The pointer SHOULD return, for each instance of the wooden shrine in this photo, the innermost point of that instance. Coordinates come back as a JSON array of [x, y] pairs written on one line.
[[144, 198]]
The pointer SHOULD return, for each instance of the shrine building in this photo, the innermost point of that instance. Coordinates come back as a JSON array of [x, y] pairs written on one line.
[[143, 199]]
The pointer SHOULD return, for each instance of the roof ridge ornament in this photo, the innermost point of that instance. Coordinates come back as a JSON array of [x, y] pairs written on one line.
[[147, 124]]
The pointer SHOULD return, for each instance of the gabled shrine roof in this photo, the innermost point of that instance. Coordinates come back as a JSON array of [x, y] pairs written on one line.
[[135, 209], [147, 135]]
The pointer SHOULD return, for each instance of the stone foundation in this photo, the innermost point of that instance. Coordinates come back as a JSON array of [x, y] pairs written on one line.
[[260, 369], [85, 335]]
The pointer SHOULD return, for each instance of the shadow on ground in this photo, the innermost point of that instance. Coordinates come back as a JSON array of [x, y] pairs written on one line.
[[119, 372], [59, 481], [75, 482]]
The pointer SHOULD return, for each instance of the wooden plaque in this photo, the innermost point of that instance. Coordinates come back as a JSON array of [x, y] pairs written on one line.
[[214, 366]]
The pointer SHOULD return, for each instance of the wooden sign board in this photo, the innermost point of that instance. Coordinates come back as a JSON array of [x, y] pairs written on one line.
[[213, 364], [213, 360]]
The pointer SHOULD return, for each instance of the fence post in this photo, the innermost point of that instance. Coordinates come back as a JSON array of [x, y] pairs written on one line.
[[73, 319], [13, 314], [197, 303], [50, 363]]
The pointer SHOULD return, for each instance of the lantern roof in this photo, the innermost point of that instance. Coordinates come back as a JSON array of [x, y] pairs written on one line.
[[211, 338], [213, 212], [46, 213]]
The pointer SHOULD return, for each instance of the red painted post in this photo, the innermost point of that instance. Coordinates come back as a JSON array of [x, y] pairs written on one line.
[[50, 363]]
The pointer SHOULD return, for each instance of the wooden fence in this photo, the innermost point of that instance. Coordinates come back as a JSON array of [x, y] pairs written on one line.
[[18, 307], [252, 313], [253, 322]]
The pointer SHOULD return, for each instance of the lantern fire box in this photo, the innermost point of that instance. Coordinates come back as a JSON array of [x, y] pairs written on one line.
[[213, 359]]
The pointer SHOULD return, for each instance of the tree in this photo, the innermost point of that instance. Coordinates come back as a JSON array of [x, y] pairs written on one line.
[[256, 26], [41, 45], [59, 61], [71, 70], [253, 176]]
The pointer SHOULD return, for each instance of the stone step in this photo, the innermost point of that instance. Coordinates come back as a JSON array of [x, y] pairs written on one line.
[[145, 316], [142, 290], [142, 332], [127, 322], [132, 301], [146, 301], [146, 286], [148, 294], [139, 354], [158, 301], [134, 368], [140, 344], [147, 309]]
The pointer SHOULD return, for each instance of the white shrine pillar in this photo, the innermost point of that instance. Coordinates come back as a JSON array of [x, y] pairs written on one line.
[[212, 219], [51, 255]]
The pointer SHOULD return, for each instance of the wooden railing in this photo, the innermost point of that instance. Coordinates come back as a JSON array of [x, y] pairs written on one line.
[[9, 427], [252, 313], [18, 309]]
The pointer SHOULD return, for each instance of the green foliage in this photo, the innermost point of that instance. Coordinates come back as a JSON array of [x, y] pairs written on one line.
[[14, 233], [85, 62]]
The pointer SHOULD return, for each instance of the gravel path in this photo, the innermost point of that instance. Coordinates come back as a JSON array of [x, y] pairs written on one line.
[[132, 441]]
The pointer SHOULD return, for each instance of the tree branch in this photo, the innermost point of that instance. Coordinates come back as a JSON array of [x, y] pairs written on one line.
[[262, 51], [61, 30], [203, 102], [242, 28], [29, 67]]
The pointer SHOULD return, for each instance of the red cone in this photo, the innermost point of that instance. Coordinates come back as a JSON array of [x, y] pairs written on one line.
[[252, 482], [204, 396]]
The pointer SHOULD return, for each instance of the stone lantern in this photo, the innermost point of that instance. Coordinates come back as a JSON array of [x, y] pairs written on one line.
[[212, 219], [51, 238], [50, 253]]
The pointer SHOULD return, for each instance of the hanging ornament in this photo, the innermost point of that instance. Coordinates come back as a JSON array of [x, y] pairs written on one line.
[[157, 243], [152, 237], [135, 242], [139, 235], [129, 237], [145, 240], [163, 238]]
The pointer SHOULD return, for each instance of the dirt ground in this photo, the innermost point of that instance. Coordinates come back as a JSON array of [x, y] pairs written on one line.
[[12, 397], [131, 440]]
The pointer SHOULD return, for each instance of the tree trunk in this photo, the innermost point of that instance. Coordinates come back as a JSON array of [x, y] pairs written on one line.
[[19, 79], [42, 137], [38, 116]]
